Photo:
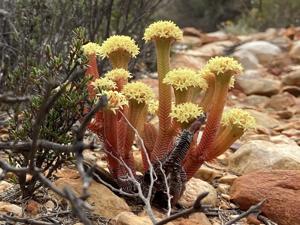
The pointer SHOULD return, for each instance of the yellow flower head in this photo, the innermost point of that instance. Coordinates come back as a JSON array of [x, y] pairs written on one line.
[[153, 107], [119, 42], [91, 48], [182, 78], [205, 73], [138, 91], [116, 100], [238, 118], [104, 84], [117, 74], [186, 112], [163, 29], [224, 66]]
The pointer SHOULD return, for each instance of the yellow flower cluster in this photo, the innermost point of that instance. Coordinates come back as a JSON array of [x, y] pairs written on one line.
[[138, 91], [186, 112], [183, 78], [238, 118], [91, 48], [104, 84], [119, 42], [163, 29], [116, 100], [221, 66], [117, 74], [153, 106]]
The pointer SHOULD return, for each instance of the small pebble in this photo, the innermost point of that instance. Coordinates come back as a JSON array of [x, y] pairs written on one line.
[[225, 196]]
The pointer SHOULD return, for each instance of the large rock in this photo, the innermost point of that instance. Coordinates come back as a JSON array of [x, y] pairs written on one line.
[[263, 119], [128, 218], [281, 188], [292, 78], [255, 100], [281, 101], [195, 187], [259, 86], [103, 200], [8, 208], [295, 50], [263, 50], [191, 61], [258, 154], [214, 48], [247, 59], [194, 219]]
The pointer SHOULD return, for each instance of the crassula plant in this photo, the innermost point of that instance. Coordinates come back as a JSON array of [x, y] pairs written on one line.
[[185, 97]]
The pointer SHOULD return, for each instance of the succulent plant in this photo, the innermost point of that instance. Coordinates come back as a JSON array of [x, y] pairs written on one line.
[[174, 141]]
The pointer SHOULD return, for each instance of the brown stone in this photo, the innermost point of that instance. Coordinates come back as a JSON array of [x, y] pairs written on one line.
[[281, 101], [103, 200], [194, 219], [281, 188]]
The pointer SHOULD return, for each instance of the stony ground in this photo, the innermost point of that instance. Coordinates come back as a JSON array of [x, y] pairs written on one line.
[[264, 164]]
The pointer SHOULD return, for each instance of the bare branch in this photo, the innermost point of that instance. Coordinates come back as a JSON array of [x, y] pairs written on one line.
[[197, 207], [9, 99], [25, 146], [23, 220], [252, 209]]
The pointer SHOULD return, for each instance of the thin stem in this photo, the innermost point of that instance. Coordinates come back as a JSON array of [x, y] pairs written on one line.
[[196, 158], [164, 97]]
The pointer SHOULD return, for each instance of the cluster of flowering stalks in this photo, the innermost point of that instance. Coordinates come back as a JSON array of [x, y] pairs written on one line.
[[184, 95]]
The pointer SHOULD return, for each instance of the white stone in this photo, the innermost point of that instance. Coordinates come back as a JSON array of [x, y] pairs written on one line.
[[195, 187], [258, 154], [263, 50]]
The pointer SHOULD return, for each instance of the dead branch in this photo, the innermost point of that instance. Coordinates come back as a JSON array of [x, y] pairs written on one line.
[[252, 209], [49, 145], [10, 99], [23, 220], [197, 207]]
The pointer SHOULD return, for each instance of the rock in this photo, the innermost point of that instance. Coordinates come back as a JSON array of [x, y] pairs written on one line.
[[4, 185], [6, 207], [281, 101], [49, 205], [256, 100], [32, 207], [228, 179], [191, 40], [281, 188], [294, 90], [285, 114], [223, 188], [139, 165], [263, 119], [283, 42], [195, 187], [194, 219], [103, 200], [214, 48], [207, 174], [190, 61], [67, 173], [259, 86], [292, 78], [129, 218], [295, 50], [247, 59], [192, 31], [282, 139], [255, 155], [264, 51]]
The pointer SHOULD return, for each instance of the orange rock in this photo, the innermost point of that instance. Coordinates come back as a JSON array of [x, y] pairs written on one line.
[[32, 207], [280, 187]]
